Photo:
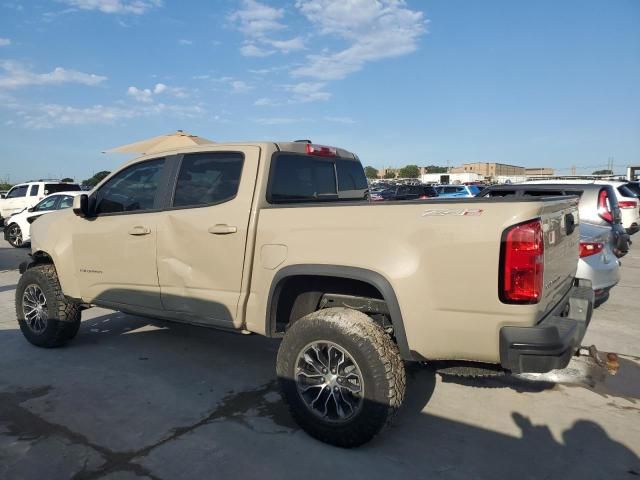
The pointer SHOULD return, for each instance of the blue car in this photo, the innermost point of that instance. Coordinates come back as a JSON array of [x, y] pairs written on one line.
[[452, 191]]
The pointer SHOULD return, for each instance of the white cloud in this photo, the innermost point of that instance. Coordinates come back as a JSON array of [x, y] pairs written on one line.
[[146, 95], [120, 7], [184, 41], [256, 19], [286, 46], [239, 86], [252, 50], [17, 75], [141, 95], [278, 120], [5, 42], [308, 92], [374, 31], [343, 120], [266, 102], [54, 115]]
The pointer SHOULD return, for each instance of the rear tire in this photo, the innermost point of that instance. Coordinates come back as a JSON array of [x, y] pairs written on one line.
[[362, 386], [47, 319], [14, 236]]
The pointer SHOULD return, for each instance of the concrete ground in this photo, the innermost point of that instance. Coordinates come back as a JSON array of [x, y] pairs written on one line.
[[131, 399]]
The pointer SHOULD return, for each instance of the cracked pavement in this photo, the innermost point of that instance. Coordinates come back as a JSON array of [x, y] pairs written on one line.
[[134, 399]]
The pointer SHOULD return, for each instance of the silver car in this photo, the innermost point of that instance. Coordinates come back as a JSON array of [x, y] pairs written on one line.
[[597, 261]]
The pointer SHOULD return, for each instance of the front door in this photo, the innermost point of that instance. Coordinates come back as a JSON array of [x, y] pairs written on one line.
[[115, 251], [202, 235]]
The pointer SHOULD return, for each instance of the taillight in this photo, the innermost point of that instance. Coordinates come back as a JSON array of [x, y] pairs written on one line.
[[321, 150], [590, 248], [604, 207], [628, 204], [522, 263]]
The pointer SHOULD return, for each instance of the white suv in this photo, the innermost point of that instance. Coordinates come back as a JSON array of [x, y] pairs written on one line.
[[26, 195]]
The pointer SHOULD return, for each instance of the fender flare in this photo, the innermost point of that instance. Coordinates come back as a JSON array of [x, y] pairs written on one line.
[[353, 273]]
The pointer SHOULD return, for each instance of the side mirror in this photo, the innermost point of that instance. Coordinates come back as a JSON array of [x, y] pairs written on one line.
[[81, 205], [31, 209]]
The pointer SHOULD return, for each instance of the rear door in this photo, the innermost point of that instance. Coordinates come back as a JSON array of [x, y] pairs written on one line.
[[202, 235]]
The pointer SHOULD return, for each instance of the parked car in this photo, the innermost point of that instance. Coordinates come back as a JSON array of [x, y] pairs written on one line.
[[629, 205], [18, 226], [25, 195], [404, 192], [597, 262], [628, 201], [259, 237], [453, 191], [598, 205]]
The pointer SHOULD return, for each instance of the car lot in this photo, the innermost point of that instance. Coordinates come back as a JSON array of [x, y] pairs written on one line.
[[131, 398]]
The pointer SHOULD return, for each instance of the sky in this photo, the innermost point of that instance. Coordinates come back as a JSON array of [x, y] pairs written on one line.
[[444, 82]]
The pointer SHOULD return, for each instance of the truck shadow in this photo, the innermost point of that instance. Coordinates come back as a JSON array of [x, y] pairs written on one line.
[[173, 401]]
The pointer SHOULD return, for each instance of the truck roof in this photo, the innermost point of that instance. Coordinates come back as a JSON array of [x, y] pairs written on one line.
[[283, 146]]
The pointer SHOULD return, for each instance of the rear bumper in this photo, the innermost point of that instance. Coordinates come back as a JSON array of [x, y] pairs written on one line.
[[550, 344]]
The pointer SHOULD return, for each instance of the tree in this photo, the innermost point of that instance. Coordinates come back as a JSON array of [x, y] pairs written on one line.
[[603, 172], [389, 174], [435, 169], [5, 186], [371, 172], [410, 171], [67, 179], [93, 181]]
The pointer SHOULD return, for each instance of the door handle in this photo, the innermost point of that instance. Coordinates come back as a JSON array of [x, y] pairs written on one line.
[[222, 229], [139, 230]]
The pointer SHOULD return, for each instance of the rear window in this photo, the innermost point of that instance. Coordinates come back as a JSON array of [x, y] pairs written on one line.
[[634, 187], [303, 178], [625, 191], [50, 188]]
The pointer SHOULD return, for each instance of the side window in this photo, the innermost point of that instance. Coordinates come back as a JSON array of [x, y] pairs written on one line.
[[208, 178], [16, 192], [301, 178], [352, 182], [65, 202], [132, 189], [34, 190], [46, 204], [50, 188]]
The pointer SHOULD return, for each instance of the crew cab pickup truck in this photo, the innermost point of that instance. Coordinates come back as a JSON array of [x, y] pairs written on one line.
[[278, 239]]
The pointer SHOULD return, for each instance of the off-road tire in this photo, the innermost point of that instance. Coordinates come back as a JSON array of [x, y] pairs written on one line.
[[63, 319], [12, 243], [377, 357]]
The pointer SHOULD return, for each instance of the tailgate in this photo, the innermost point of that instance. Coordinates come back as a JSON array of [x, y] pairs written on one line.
[[560, 226]]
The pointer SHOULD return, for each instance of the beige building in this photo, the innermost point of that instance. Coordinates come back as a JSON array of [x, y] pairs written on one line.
[[539, 171], [487, 169]]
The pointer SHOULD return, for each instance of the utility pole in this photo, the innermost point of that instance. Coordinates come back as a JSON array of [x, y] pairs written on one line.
[[573, 170]]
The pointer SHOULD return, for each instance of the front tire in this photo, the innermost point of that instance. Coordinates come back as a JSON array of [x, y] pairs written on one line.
[[14, 236], [341, 375], [47, 319]]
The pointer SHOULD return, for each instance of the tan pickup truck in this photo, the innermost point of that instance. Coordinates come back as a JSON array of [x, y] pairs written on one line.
[[279, 239]]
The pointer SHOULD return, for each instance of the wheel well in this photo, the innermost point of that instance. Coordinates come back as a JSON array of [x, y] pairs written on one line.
[[298, 295]]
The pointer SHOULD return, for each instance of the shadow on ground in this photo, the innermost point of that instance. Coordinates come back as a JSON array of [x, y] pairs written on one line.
[[161, 400]]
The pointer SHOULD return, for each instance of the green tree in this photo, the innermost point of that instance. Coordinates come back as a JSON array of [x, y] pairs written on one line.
[[602, 172], [389, 174], [5, 186], [67, 179], [371, 172], [435, 169], [93, 181], [410, 171]]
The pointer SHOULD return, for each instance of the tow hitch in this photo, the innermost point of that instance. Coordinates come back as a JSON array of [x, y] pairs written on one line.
[[608, 360]]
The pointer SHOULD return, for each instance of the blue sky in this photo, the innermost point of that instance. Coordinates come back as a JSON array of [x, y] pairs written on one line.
[[538, 83]]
